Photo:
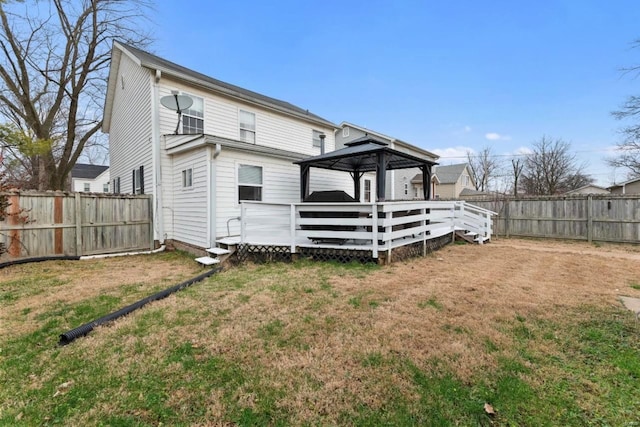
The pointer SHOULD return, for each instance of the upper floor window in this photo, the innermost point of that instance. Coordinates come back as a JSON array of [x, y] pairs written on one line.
[[193, 117], [345, 132], [465, 180], [316, 138], [247, 127], [249, 182]]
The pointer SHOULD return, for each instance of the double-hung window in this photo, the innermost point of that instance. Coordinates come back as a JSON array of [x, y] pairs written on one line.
[[87, 187], [187, 178], [247, 127], [317, 142], [193, 117], [367, 191], [249, 183]]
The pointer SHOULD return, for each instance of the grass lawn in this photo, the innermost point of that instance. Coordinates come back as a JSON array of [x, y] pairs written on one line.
[[533, 328]]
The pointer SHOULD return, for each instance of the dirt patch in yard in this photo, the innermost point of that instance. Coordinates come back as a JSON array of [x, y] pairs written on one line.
[[70, 282]]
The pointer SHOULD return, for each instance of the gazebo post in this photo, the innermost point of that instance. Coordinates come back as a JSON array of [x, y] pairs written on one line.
[[381, 176], [426, 181], [304, 182], [356, 175]]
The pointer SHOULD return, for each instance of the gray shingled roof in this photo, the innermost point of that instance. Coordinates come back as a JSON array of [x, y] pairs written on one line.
[[85, 171], [449, 174], [155, 62]]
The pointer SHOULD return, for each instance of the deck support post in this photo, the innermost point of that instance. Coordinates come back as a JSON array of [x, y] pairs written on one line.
[[292, 228], [374, 230]]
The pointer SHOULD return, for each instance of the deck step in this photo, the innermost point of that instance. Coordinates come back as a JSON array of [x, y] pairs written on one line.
[[218, 251], [229, 241], [470, 233], [207, 260]]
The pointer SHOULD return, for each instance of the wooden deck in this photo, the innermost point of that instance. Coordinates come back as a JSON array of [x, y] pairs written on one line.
[[375, 227]]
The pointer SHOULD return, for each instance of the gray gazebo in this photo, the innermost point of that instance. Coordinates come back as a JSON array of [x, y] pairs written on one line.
[[366, 154]]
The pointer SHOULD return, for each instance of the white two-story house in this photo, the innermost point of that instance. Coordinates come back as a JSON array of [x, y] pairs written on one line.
[[230, 145]]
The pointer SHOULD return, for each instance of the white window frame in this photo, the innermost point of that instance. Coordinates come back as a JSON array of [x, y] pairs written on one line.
[[86, 187], [315, 133], [247, 129], [345, 132], [238, 183], [187, 178], [105, 188], [192, 114]]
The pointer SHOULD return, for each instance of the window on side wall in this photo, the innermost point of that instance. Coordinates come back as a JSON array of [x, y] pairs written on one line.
[[247, 127], [87, 187], [193, 117], [116, 185], [249, 183], [105, 188], [138, 180], [406, 189], [187, 178]]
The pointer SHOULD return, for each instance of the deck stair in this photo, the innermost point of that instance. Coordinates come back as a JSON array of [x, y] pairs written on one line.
[[471, 236], [218, 254]]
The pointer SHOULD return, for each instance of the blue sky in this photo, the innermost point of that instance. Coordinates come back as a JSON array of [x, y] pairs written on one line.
[[446, 76]]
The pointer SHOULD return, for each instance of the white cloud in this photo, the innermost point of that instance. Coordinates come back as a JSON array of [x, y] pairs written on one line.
[[522, 151], [452, 154], [493, 136], [467, 129]]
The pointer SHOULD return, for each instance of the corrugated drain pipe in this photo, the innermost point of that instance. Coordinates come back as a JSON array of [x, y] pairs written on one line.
[[83, 330]]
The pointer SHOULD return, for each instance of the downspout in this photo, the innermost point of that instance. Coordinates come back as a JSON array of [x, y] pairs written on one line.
[[211, 205], [158, 217]]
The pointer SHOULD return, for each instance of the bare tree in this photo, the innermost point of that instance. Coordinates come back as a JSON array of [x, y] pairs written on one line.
[[54, 59], [484, 166], [517, 165], [551, 168], [628, 156]]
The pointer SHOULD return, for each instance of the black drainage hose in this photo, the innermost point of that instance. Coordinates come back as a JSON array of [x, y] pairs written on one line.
[[83, 330], [39, 259]]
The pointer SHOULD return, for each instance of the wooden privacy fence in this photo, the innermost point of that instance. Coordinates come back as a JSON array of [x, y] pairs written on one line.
[[595, 217], [60, 223]]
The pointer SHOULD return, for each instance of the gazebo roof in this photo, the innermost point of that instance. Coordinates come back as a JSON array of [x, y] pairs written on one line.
[[361, 155]]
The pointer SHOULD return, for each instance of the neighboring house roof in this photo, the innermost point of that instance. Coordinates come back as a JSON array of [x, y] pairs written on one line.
[[595, 188], [631, 181], [391, 139], [153, 62], [449, 174], [85, 171], [472, 192]]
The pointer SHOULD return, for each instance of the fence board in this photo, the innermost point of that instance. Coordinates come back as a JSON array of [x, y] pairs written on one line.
[[61, 223], [595, 217]]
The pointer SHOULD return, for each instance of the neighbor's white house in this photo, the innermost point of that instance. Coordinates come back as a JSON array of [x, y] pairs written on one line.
[[90, 178], [232, 144], [399, 186]]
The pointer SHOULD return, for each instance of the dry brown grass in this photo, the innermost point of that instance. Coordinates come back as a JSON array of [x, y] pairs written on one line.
[[310, 333]]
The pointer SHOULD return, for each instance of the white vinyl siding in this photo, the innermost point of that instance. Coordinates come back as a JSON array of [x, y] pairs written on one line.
[[189, 208], [130, 130], [281, 184], [222, 118]]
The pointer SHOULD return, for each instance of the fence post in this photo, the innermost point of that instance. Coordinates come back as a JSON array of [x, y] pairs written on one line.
[[292, 228], [424, 233], [590, 218], [151, 239], [78, 219], [506, 217]]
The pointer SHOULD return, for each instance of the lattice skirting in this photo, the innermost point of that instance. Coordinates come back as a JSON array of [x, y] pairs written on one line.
[[415, 249], [266, 253]]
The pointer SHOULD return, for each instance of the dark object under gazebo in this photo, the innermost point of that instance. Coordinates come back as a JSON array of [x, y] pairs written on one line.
[[366, 154]]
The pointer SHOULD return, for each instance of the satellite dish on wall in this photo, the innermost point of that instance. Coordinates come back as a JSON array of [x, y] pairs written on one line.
[[177, 103]]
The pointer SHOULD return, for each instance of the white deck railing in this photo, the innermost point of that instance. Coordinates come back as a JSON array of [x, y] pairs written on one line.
[[362, 226]]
